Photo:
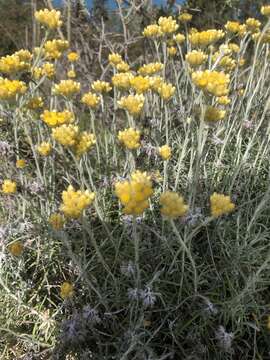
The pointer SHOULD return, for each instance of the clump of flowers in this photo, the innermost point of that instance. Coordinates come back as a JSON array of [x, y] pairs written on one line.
[[122, 80], [205, 38], [101, 86], [130, 138], [56, 118], [11, 64], [75, 202], [213, 82], [123, 67], [66, 135], [91, 100], [132, 103], [20, 163], [179, 38], [221, 204], [172, 51], [44, 149], [57, 221], [55, 48], [185, 17], [166, 91], [196, 58], [140, 84], [67, 88], [172, 205], [84, 142], [167, 25], [73, 56], [47, 70], [35, 102], [213, 114], [67, 290], [152, 31], [49, 18], [71, 74], [134, 194], [233, 26], [10, 88], [253, 25], [115, 59], [265, 10], [150, 69], [9, 187], [15, 248], [165, 152]]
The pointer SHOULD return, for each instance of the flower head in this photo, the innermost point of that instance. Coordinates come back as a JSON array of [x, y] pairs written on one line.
[[221, 204], [213, 82], [75, 202], [66, 135], [213, 114], [15, 248], [130, 138], [150, 69], [140, 84], [67, 290], [196, 58], [152, 31], [132, 103], [85, 142], [9, 187], [90, 99], [101, 86], [185, 17], [10, 88], [56, 118], [67, 88], [115, 59], [172, 205], [205, 38], [20, 163], [122, 80], [73, 56], [49, 18], [165, 152], [44, 148], [166, 91], [167, 25], [265, 10]]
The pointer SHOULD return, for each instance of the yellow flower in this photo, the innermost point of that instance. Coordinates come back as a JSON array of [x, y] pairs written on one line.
[[213, 114], [134, 194], [223, 100], [67, 88], [132, 104], [122, 66], [115, 59], [16, 248], [73, 56], [90, 99], [71, 74], [54, 48], [56, 118], [67, 290], [156, 82], [20, 163], [24, 55], [35, 103], [234, 47], [75, 202], [213, 82], [224, 61], [12, 63], [57, 221], [66, 135], [101, 86], [172, 51], [185, 17], [167, 25], [196, 58], [166, 91], [253, 25], [49, 18], [152, 31], [172, 205], [265, 10], [179, 38], [44, 148], [140, 84], [233, 27], [9, 187], [10, 88], [84, 143], [205, 38], [122, 80], [165, 152], [130, 138], [221, 204], [48, 70], [150, 69]]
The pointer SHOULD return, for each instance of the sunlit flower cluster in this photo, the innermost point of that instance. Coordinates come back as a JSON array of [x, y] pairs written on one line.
[[150, 69], [9, 187], [130, 138], [44, 149], [67, 88], [213, 114], [133, 104], [172, 205], [140, 84], [75, 202], [122, 80], [205, 38], [66, 135], [10, 88], [166, 91], [167, 25], [49, 18], [85, 141], [213, 82], [101, 86], [196, 58], [56, 118], [165, 152], [66, 290], [55, 48], [221, 204], [185, 17], [152, 31], [90, 99], [11, 64]]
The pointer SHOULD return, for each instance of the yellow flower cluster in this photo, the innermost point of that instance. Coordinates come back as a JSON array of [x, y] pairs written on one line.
[[46, 69], [172, 51], [130, 138], [123, 67], [152, 31], [156, 82], [72, 56], [165, 152], [234, 47], [140, 84], [150, 69], [213, 82], [101, 86], [10, 88], [90, 99], [196, 58], [54, 48], [66, 135], [84, 143], [172, 205], [205, 38], [9, 187], [236, 28], [185, 17], [221, 204], [122, 80], [35, 102], [44, 148], [253, 25], [24, 55], [15, 248], [115, 59], [75, 202], [166, 91], [20, 164], [167, 25], [49, 18], [57, 221], [11, 64], [56, 118], [67, 88], [66, 290], [134, 194], [223, 100], [213, 114], [265, 10], [226, 62], [179, 38], [71, 74], [132, 103]]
